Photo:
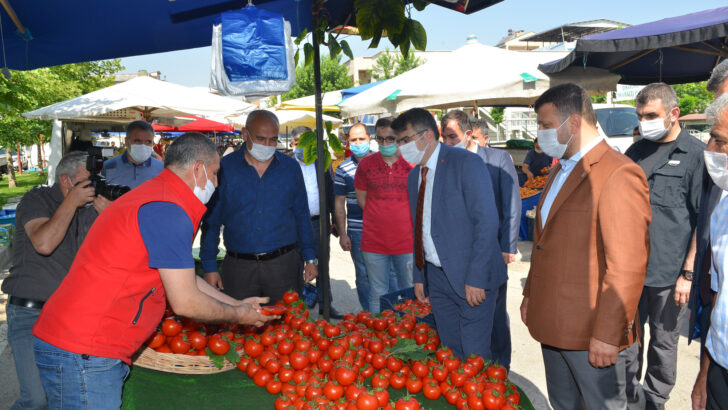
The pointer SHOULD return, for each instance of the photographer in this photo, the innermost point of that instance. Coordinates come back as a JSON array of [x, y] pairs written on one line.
[[51, 224], [136, 165]]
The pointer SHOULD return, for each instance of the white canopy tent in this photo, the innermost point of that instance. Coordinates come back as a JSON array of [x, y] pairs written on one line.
[[290, 119], [473, 75], [329, 101], [141, 98]]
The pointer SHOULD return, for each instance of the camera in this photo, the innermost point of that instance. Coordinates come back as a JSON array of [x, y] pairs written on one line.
[[94, 165]]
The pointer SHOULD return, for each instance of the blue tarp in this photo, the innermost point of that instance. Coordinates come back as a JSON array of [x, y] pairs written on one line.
[[674, 50], [350, 92]]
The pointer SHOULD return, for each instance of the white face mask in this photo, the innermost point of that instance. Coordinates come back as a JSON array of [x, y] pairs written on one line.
[[717, 165], [460, 144], [140, 152], [411, 153], [548, 140], [261, 152], [653, 130], [204, 194]]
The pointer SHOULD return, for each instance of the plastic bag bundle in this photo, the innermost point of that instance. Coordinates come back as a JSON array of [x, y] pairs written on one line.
[[252, 54]]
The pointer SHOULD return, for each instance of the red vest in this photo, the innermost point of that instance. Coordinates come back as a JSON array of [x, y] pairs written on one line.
[[111, 300]]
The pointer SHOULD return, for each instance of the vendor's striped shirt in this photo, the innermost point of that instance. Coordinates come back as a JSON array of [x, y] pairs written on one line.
[[344, 186]]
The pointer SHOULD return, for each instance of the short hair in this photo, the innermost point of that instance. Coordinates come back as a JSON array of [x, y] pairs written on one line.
[[717, 109], [189, 148], [462, 119], [298, 131], [139, 125], [718, 76], [654, 91], [480, 124], [268, 115], [569, 99], [417, 118], [68, 165], [384, 122], [359, 124]]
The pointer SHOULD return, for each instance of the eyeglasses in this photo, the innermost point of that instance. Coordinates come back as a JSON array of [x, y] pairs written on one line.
[[387, 140], [407, 139]]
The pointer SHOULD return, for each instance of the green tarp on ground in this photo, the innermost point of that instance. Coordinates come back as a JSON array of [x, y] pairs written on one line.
[[150, 389]]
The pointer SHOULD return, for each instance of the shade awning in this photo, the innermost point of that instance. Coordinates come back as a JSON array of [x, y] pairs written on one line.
[[197, 125]]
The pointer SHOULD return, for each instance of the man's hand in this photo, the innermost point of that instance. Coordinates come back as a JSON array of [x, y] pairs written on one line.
[[100, 203], [508, 257], [214, 279], [699, 395], [524, 310], [81, 194], [474, 296], [345, 242], [602, 354], [254, 301], [310, 271], [420, 293], [682, 291], [249, 315]]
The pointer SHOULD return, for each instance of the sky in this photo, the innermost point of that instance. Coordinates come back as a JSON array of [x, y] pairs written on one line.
[[447, 30]]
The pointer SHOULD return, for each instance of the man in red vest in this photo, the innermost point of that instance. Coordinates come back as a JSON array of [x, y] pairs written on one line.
[[137, 255]]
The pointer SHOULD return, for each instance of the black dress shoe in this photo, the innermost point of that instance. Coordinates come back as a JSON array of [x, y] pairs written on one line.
[[333, 314]]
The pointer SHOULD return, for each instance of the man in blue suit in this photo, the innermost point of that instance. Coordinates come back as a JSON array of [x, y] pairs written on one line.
[[455, 224], [457, 130]]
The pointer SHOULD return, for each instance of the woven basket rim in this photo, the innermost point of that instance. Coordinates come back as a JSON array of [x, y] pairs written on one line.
[[177, 363]]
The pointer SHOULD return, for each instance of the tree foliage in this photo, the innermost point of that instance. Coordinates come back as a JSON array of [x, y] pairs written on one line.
[[497, 114], [693, 97], [333, 77], [389, 65]]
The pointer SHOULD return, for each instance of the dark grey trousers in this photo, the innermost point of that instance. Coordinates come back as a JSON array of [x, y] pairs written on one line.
[[657, 307], [243, 278], [717, 387], [573, 383]]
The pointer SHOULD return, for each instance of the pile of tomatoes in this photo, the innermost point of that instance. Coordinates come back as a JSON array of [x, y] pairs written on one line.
[[349, 365], [414, 307]]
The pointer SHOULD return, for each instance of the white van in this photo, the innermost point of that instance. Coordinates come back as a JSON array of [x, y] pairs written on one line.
[[617, 122]]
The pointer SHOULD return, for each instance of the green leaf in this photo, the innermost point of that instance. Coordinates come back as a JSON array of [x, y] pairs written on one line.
[[301, 36], [334, 47], [295, 59], [310, 154], [308, 53], [420, 4], [232, 355], [308, 138], [217, 360], [375, 40], [418, 36], [328, 126], [408, 349], [346, 49], [405, 47], [335, 144], [327, 155], [365, 21]]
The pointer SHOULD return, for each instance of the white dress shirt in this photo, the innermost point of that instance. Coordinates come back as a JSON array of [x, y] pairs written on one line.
[[567, 165], [309, 178], [717, 340], [427, 242]]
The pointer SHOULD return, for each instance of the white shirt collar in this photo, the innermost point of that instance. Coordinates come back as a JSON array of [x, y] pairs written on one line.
[[568, 164], [432, 161]]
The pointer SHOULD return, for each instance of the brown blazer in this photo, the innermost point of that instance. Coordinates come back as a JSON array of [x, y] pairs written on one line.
[[589, 261]]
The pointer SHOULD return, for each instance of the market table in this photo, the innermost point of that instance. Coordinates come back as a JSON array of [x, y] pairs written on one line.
[[527, 204], [151, 389]]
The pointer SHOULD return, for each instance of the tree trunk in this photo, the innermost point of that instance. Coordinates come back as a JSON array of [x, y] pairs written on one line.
[[11, 170], [40, 157]]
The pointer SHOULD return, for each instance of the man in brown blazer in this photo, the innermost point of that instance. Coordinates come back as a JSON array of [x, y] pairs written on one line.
[[590, 251]]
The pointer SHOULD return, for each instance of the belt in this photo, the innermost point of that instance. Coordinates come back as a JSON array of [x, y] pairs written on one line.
[[263, 256], [27, 303], [315, 218]]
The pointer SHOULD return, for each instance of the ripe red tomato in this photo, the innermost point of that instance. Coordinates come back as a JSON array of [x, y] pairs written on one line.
[[272, 310], [414, 385], [405, 403], [382, 396], [497, 372], [274, 386], [156, 340], [217, 345], [420, 369], [431, 391], [179, 345], [171, 327], [333, 391], [397, 380], [299, 361], [393, 364], [163, 349], [345, 376], [366, 401], [439, 373], [290, 297], [492, 399], [198, 340], [262, 377]]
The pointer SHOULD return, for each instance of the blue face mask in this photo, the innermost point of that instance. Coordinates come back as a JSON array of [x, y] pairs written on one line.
[[298, 152], [359, 150], [388, 150]]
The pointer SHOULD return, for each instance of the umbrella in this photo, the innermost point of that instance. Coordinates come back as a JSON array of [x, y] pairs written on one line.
[[473, 75], [140, 98], [350, 92], [329, 100], [197, 125], [674, 50], [291, 119]]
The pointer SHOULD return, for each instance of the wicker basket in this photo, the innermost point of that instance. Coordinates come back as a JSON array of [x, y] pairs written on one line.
[[177, 363]]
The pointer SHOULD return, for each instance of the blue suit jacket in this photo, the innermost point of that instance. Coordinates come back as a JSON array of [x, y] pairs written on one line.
[[507, 194], [464, 221]]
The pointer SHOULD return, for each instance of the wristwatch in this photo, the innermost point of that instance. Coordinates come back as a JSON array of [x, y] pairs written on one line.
[[314, 261], [687, 274]]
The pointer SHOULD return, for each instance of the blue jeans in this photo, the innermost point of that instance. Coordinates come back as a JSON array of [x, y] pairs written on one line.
[[362, 280], [75, 381], [20, 337], [387, 273]]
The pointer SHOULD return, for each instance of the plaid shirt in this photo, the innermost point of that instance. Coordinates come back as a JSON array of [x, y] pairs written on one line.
[[717, 342]]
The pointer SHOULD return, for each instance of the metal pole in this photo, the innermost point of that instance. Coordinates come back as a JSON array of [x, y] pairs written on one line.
[[323, 267]]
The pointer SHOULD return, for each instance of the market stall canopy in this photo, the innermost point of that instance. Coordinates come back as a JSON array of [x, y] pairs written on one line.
[[465, 6], [673, 50], [197, 125], [290, 119], [140, 98], [329, 100], [350, 92], [473, 75]]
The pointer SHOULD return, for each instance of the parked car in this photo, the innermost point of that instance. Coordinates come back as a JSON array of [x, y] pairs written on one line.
[[617, 122], [14, 154]]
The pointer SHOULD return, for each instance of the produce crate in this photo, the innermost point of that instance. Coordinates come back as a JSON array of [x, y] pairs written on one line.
[[7, 216], [390, 299], [177, 363]]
